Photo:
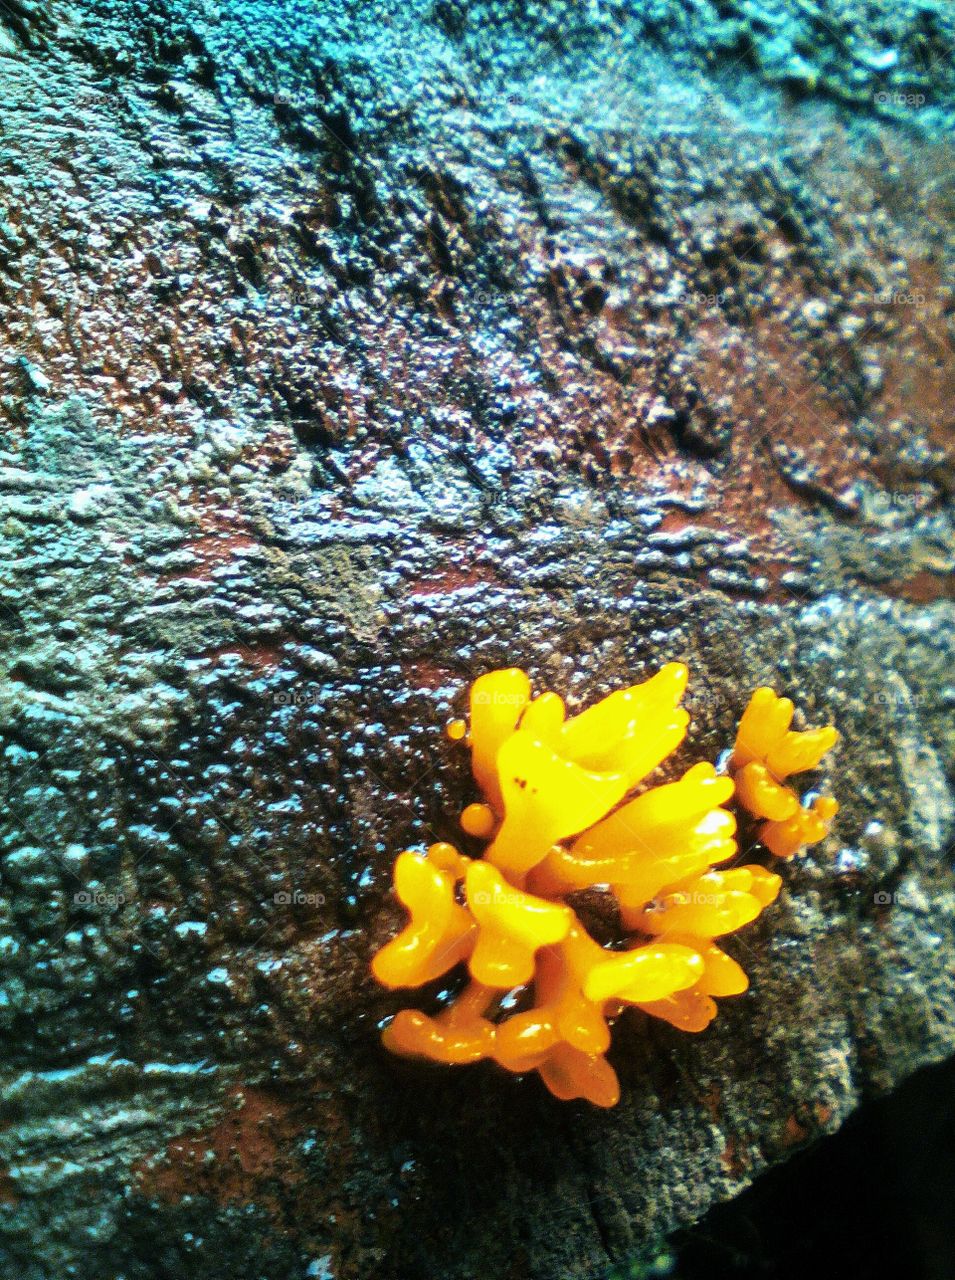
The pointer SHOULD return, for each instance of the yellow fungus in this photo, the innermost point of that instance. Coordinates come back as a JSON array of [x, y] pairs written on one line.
[[663, 835], [562, 1011], [458, 1034], [722, 976], [764, 885], [760, 793], [806, 826], [708, 905], [762, 725], [568, 1073], [606, 735], [446, 858], [440, 933], [689, 1010], [767, 751], [497, 701], [546, 799], [559, 815], [645, 973], [512, 924], [634, 895], [543, 719], [797, 752], [525, 1039]]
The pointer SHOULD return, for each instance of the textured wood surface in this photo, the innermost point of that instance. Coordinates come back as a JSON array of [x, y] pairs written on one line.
[[349, 351]]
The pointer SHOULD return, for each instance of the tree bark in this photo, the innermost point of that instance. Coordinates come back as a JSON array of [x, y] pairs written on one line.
[[352, 351]]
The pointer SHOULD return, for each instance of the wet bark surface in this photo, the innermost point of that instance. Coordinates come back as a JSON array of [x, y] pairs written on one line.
[[351, 351]]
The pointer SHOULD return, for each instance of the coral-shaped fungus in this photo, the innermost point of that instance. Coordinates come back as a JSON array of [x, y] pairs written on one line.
[[558, 820]]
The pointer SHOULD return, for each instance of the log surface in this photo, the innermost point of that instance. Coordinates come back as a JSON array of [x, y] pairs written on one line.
[[352, 350]]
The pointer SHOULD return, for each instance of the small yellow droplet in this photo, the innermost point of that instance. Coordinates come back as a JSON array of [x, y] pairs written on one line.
[[478, 820], [456, 730]]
